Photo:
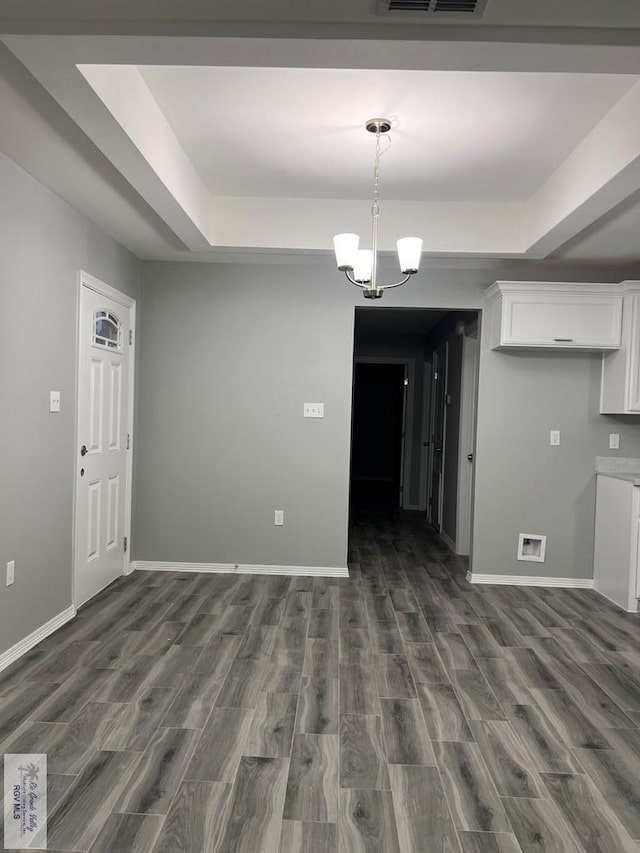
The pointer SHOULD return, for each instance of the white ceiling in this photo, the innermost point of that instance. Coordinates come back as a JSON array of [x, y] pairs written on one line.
[[456, 136], [523, 144]]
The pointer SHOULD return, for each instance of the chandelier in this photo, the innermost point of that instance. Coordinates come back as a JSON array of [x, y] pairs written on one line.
[[361, 265]]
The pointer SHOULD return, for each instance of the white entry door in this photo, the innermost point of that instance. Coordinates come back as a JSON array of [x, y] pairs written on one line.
[[103, 473]]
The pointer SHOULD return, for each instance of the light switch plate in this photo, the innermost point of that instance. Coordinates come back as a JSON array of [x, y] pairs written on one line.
[[54, 401], [554, 438], [278, 517], [313, 410], [614, 441], [11, 572]]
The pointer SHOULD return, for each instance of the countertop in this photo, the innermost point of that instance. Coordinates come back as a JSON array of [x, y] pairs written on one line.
[[634, 479], [619, 466]]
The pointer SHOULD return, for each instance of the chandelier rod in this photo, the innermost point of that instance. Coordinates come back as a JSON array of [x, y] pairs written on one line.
[[375, 212]]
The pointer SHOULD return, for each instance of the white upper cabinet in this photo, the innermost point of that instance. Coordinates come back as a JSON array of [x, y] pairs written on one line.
[[620, 389], [555, 315]]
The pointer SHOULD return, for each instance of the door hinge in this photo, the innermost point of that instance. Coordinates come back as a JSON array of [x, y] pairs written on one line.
[[130, 336], [125, 544], [128, 441]]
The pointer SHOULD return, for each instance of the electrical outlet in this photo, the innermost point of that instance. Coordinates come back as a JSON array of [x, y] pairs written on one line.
[[278, 518], [11, 571], [614, 441], [554, 438], [54, 401]]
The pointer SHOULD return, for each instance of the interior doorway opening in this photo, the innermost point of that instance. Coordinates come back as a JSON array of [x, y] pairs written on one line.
[[378, 431], [415, 379]]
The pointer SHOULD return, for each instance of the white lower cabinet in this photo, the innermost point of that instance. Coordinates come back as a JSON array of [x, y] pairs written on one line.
[[620, 389], [555, 315], [616, 556]]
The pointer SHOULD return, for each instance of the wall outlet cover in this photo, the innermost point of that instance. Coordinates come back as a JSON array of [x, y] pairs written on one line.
[[554, 438], [313, 410], [11, 572], [614, 441]]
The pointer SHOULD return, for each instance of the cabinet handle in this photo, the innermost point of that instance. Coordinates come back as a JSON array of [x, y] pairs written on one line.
[[564, 340]]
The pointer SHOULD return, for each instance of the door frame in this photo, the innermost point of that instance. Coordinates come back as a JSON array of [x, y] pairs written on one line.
[[432, 420], [89, 281], [426, 436], [407, 438], [467, 437]]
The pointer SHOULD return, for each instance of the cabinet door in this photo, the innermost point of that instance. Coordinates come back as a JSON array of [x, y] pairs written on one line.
[[637, 560], [562, 320], [633, 354]]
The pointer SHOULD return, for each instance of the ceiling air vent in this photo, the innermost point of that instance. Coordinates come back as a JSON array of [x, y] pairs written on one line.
[[435, 9], [406, 6]]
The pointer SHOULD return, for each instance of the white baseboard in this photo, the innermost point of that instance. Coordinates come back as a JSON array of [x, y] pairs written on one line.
[[239, 569], [448, 541], [522, 580], [35, 637], [617, 603]]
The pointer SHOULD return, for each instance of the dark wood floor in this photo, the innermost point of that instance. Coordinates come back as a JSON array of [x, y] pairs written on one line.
[[401, 709]]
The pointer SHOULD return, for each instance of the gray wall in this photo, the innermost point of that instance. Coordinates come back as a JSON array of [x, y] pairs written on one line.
[[522, 484], [43, 245], [230, 353]]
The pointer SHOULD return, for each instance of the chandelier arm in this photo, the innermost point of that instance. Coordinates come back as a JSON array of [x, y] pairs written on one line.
[[353, 281], [397, 284]]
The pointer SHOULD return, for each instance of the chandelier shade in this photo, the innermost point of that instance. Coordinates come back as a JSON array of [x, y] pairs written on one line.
[[409, 251], [361, 265], [346, 249]]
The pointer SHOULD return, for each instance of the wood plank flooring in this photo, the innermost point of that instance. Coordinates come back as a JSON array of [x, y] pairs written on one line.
[[401, 710]]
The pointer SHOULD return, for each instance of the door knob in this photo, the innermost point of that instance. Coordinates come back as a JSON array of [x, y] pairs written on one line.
[[83, 450], [470, 457]]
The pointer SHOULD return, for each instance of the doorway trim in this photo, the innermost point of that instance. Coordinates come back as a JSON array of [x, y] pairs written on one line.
[[467, 438], [407, 439], [444, 345], [89, 281], [425, 448]]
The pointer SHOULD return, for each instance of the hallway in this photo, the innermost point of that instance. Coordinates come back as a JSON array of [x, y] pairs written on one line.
[[401, 709]]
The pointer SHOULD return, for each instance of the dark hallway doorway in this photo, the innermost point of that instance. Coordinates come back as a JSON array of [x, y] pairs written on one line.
[[379, 393], [415, 388]]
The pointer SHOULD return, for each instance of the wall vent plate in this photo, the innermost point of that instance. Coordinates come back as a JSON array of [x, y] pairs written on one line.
[[532, 547], [432, 10]]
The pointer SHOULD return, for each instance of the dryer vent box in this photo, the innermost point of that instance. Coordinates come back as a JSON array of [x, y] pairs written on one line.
[[531, 547]]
